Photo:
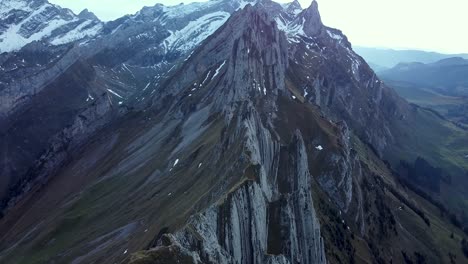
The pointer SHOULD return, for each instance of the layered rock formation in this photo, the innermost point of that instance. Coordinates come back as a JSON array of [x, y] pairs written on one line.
[[251, 144]]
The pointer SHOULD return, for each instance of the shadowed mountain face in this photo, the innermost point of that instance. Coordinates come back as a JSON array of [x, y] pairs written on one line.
[[219, 132]]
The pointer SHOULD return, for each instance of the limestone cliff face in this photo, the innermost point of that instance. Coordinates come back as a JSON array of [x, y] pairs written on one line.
[[269, 215], [246, 72], [244, 60], [311, 20], [269, 220]]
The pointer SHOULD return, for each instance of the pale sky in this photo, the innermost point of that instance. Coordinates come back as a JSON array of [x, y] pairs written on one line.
[[433, 25]]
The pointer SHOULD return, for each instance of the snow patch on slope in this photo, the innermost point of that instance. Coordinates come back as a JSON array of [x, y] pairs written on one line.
[[7, 6], [334, 36], [217, 70], [114, 93], [282, 23], [195, 31], [294, 30], [78, 33], [182, 10]]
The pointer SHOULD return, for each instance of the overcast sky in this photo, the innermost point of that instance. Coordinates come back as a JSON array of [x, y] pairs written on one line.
[[418, 24]]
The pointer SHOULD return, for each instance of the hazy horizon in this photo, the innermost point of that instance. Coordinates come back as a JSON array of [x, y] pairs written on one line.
[[397, 24]]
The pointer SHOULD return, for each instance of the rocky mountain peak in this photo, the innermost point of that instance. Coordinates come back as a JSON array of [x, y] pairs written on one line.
[[245, 58], [254, 11], [86, 14], [294, 7], [39, 2], [271, 45], [312, 20]]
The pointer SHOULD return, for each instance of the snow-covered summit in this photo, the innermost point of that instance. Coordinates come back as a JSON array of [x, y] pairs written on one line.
[[25, 21]]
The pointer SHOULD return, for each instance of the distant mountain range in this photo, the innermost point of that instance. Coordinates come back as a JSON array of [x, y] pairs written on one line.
[[447, 76], [381, 58], [441, 86]]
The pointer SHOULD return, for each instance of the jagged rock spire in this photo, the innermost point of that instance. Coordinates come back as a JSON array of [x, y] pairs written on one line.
[[86, 14], [313, 21]]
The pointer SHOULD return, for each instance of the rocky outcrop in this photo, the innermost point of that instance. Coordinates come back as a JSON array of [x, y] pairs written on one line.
[[270, 218], [294, 8], [312, 20], [246, 57], [86, 14]]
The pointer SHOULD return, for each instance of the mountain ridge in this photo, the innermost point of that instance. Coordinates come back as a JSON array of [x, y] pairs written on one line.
[[25, 21], [388, 58], [445, 76], [438, 86]]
